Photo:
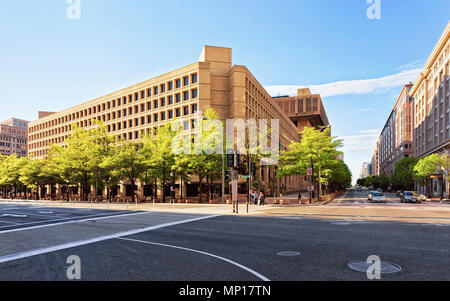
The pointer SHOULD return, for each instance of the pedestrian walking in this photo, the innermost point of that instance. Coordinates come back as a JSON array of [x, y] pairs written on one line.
[[261, 198]]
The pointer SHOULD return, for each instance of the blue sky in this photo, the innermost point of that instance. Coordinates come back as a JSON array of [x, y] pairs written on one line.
[[48, 62]]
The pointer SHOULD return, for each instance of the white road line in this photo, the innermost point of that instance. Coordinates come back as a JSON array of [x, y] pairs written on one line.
[[30, 253], [203, 253], [85, 218], [345, 195]]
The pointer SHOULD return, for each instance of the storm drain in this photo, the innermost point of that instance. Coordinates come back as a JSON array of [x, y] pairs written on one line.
[[386, 267], [288, 253]]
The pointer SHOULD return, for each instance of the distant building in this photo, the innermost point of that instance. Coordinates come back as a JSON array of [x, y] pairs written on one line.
[[396, 139], [375, 163], [14, 137], [365, 170]]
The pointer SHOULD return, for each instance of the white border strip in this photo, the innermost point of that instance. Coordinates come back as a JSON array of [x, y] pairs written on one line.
[[203, 253], [26, 254]]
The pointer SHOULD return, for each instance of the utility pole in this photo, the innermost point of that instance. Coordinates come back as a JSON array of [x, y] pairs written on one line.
[[223, 177], [310, 171]]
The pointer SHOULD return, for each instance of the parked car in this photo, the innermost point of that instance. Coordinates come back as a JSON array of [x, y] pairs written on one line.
[[411, 197], [399, 193], [377, 196], [359, 188], [380, 190], [370, 194]]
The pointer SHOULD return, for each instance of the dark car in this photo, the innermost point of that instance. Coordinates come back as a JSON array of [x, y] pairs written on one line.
[[399, 193], [410, 197]]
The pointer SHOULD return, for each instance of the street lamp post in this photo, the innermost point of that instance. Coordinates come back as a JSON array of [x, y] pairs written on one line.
[[310, 180]]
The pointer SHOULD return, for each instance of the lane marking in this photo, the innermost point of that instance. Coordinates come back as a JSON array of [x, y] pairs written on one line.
[[85, 218], [343, 197], [30, 253], [13, 215], [203, 253]]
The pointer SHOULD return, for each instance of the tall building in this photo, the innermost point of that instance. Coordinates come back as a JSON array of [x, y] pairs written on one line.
[[14, 137], [375, 163], [431, 95], [396, 139], [305, 109], [365, 170], [210, 82]]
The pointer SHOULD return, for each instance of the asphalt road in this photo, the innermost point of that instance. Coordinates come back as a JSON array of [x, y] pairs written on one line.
[[117, 245]]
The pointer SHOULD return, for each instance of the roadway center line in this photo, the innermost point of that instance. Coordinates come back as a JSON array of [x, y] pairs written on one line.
[[84, 219], [201, 252], [30, 253]]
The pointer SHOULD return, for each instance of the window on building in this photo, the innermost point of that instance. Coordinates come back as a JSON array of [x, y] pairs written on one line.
[[186, 95], [186, 80], [194, 93], [177, 83], [194, 78]]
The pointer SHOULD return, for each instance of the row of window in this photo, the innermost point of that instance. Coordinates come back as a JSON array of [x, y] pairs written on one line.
[[149, 92], [139, 121]]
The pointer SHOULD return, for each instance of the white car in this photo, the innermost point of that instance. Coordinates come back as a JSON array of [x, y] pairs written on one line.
[[376, 196]]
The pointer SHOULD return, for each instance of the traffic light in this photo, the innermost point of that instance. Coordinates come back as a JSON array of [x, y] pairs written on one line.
[[252, 168], [230, 160], [238, 159], [228, 175]]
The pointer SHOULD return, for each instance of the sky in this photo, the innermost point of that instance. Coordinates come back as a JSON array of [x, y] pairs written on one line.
[[50, 61]]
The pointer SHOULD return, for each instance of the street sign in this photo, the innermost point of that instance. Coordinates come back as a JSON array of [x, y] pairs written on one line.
[[311, 188], [245, 177], [310, 171]]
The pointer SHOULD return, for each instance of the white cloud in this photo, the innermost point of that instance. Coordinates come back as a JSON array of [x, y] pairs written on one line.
[[408, 73], [365, 110], [364, 140]]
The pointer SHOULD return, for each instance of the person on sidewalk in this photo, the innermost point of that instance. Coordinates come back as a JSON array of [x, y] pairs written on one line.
[[255, 197], [261, 198]]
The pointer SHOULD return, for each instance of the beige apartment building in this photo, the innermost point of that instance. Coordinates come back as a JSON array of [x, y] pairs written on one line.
[[431, 95], [210, 82], [14, 137]]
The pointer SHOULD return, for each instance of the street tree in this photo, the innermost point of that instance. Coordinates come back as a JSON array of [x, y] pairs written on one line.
[[316, 145]]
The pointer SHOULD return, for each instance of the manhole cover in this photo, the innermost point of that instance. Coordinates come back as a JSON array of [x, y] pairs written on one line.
[[386, 267], [288, 253]]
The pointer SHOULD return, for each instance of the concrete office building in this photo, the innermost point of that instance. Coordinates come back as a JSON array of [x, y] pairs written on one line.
[[14, 137], [431, 95], [210, 82], [305, 109]]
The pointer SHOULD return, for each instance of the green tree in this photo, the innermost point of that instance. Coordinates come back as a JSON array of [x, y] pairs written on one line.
[[317, 145], [129, 163], [200, 161], [403, 177], [159, 156], [31, 175], [427, 166]]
